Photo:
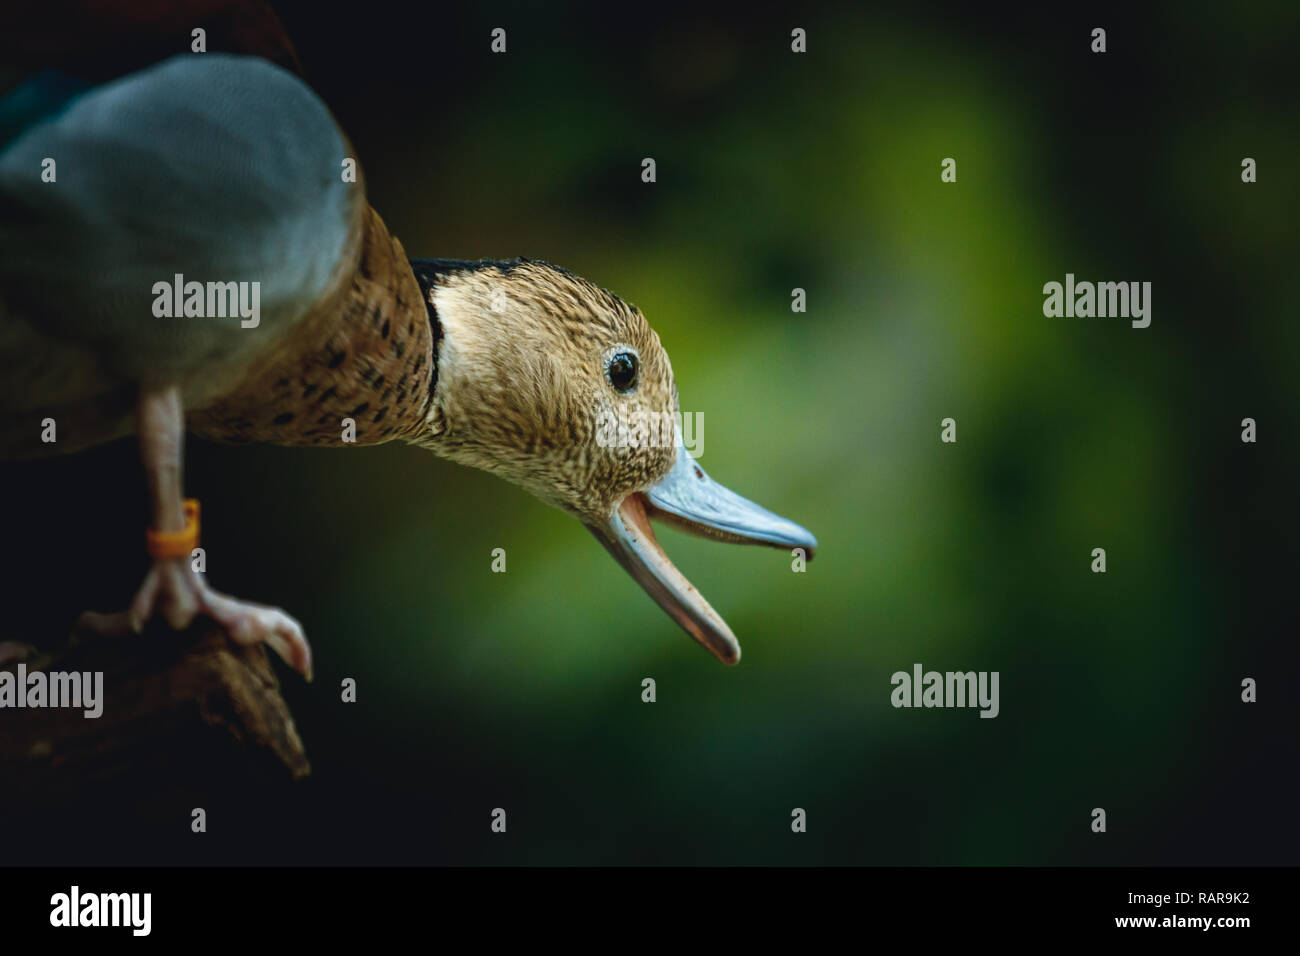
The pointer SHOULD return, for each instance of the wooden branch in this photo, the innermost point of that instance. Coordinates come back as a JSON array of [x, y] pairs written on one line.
[[182, 713]]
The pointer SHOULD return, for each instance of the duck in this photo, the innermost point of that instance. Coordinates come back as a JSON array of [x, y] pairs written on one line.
[[188, 248]]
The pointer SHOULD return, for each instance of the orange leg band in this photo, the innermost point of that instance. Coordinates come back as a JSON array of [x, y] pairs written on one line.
[[163, 545]]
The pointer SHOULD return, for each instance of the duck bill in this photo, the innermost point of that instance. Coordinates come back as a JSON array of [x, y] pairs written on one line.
[[692, 501]]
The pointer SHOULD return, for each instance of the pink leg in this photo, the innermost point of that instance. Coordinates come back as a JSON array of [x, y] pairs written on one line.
[[172, 588]]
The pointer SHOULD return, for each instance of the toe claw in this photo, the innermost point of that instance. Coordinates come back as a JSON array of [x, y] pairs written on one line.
[[178, 595], [293, 650]]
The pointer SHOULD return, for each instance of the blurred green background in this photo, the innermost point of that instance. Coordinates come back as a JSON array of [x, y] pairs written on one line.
[[820, 171]]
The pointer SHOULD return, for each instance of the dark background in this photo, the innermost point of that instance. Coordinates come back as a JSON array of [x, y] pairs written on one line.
[[778, 170]]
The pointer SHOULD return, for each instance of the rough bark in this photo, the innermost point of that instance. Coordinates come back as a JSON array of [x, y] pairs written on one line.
[[182, 713]]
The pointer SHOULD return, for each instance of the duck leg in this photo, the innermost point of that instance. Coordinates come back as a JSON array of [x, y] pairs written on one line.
[[172, 588]]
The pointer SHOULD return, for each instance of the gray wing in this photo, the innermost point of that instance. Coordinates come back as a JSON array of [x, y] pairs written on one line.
[[213, 167]]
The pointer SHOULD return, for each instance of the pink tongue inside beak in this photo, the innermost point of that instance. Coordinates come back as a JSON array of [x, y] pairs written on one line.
[[669, 587], [691, 500]]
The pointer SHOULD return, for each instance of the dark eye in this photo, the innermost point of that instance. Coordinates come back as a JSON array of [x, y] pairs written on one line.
[[622, 371]]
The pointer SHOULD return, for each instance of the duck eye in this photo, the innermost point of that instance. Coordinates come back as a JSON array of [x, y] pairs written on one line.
[[622, 371]]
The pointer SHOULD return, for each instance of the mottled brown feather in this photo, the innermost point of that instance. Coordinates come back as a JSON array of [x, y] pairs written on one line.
[[365, 352]]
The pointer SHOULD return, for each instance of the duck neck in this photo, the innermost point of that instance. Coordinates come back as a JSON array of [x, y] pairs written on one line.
[[467, 331], [360, 368]]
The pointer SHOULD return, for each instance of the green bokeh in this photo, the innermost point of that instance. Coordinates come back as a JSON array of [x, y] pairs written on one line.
[[821, 171]]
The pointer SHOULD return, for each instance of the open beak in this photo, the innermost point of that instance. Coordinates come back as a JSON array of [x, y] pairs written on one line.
[[691, 500]]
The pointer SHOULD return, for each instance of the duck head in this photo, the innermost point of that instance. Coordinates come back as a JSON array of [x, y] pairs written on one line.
[[564, 389]]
